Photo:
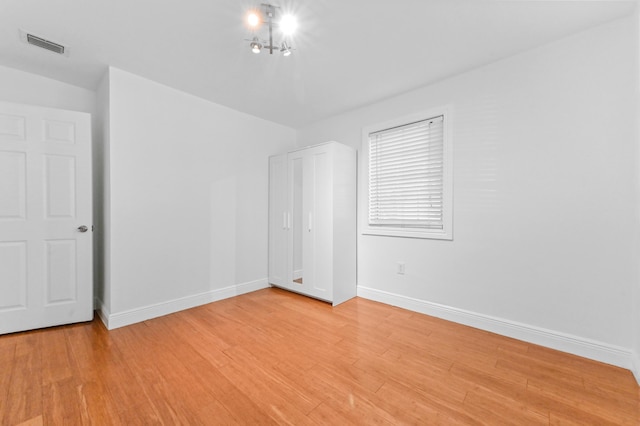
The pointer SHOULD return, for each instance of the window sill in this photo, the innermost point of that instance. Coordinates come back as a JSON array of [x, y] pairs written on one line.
[[406, 233]]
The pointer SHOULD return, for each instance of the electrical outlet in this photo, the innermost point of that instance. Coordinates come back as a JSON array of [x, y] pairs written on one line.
[[400, 268]]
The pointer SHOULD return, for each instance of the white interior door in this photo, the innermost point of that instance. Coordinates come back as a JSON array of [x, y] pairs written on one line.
[[45, 217]]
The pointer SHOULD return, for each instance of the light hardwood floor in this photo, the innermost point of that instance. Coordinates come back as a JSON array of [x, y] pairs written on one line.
[[273, 357]]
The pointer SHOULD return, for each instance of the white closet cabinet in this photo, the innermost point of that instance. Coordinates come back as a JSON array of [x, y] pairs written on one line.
[[312, 221]]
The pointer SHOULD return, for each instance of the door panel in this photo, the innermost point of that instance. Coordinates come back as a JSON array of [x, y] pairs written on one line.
[[296, 272], [60, 271], [297, 213], [59, 132], [13, 275], [12, 127], [60, 188], [13, 184], [308, 228], [45, 196], [322, 237]]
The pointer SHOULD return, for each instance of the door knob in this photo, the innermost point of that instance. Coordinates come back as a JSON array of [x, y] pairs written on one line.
[[83, 228]]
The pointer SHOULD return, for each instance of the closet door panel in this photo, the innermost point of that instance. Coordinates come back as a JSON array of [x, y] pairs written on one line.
[[322, 217], [297, 200], [308, 225]]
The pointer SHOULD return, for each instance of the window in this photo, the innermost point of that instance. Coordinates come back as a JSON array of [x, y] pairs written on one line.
[[408, 170]]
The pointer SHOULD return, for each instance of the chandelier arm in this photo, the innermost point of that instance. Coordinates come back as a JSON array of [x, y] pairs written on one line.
[[270, 33]]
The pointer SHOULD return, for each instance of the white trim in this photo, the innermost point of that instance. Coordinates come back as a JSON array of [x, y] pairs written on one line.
[[599, 351], [635, 368], [121, 319], [102, 311]]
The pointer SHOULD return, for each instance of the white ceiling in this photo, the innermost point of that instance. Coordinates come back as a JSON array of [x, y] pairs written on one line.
[[349, 52]]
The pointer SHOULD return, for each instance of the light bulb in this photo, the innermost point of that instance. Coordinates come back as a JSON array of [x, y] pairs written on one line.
[[288, 24], [255, 45], [253, 19], [285, 49]]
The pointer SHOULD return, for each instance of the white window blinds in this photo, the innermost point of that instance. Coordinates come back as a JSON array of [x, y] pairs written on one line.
[[406, 175]]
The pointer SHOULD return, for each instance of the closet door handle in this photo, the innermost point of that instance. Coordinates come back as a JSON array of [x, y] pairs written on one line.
[[284, 220], [310, 223]]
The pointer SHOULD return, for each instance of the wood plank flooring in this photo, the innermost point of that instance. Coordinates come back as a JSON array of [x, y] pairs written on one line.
[[273, 357]]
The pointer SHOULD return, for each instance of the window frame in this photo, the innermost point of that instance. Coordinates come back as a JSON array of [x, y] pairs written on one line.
[[447, 175]]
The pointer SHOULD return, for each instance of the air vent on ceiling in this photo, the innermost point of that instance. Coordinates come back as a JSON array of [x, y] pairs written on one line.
[[43, 43]]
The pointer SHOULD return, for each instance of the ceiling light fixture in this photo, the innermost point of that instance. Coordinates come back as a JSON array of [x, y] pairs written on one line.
[[286, 24], [255, 45], [285, 49], [253, 19]]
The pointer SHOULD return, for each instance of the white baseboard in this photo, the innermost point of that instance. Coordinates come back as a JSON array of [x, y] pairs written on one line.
[[102, 311], [635, 369], [576, 345], [121, 319]]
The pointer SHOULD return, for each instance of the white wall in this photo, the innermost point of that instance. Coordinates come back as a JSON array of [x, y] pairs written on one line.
[[101, 206], [22, 87], [187, 199], [545, 197]]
